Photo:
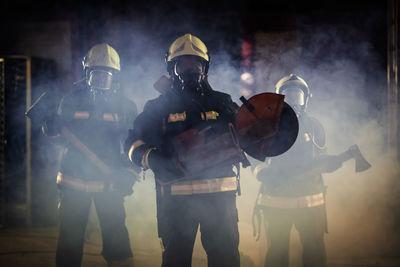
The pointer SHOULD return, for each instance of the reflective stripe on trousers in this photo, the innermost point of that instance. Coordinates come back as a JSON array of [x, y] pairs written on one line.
[[291, 202], [204, 186]]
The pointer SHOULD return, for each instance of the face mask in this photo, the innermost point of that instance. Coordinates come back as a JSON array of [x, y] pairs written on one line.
[[190, 72], [100, 80], [294, 96]]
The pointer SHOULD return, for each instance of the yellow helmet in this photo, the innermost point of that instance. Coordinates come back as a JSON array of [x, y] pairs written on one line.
[[102, 55], [187, 45]]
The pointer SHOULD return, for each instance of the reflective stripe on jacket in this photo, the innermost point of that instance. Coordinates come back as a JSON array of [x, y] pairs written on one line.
[[204, 186], [291, 202]]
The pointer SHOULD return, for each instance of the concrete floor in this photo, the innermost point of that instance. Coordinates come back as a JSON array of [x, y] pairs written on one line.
[[34, 247]]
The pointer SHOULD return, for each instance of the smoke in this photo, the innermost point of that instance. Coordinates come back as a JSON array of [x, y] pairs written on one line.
[[346, 76], [142, 42]]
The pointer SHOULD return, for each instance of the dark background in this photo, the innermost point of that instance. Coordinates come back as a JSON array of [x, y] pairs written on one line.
[[338, 47], [222, 25]]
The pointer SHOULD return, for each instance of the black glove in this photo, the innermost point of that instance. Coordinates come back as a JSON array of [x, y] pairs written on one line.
[[164, 168], [124, 181]]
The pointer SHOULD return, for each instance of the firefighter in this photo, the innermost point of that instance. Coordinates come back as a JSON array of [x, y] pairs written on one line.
[[187, 200], [91, 122], [291, 193]]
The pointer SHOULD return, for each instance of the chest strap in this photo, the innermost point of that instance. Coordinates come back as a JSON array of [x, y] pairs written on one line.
[[205, 186], [291, 202]]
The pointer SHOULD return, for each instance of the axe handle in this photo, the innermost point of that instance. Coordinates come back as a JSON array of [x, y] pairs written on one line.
[[345, 156], [86, 151], [320, 168], [91, 155]]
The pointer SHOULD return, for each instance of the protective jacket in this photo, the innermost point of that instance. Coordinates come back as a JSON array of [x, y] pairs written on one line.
[[100, 126], [173, 113], [291, 194], [281, 177], [206, 198]]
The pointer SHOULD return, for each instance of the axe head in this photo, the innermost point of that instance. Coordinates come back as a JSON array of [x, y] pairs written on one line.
[[361, 163]]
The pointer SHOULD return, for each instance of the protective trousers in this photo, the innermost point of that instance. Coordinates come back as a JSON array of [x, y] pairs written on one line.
[[179, 218], [310, 224], [74, 211]]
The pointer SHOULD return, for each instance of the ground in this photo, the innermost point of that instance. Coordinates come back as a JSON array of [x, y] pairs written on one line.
[[31, 247]]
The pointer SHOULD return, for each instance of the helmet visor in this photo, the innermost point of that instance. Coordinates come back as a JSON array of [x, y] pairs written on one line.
[[294, 96], [188, 64], [100, 79]]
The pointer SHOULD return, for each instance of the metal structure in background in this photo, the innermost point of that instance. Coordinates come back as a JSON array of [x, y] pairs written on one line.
[[15, 144], [27, 165], [2, 143], [393, 76], [28, 176]]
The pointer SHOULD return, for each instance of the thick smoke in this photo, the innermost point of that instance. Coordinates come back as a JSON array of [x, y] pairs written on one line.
[[347, 80], [142, 43]]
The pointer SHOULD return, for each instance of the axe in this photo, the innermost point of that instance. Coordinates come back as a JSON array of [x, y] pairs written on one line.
[[91, 155], [354, 152]]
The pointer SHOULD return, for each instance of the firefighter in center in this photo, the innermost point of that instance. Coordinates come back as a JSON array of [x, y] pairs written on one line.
[[187, 200], [91, 122]]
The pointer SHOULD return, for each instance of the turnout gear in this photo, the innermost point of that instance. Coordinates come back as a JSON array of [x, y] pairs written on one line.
[[151, 141], [278, 178], [92, 127], [74, 210], [285, 199], [151, 145], [100, 129], [160, 163], [189, 197]]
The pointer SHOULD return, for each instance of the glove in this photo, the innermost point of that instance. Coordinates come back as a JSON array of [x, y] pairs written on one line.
[[124, 181], [166, 169]]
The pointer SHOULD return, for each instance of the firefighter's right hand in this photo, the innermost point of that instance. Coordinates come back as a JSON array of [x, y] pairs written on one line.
[[165, 168]]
